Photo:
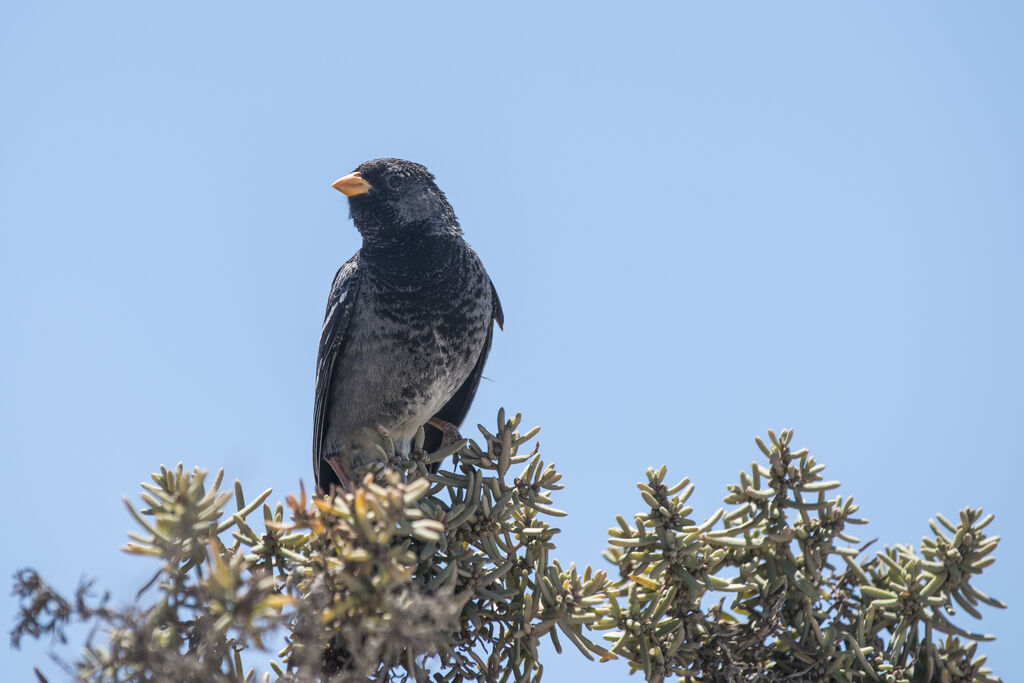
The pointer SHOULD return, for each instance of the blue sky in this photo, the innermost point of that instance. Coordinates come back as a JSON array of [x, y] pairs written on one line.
[[703, 222]]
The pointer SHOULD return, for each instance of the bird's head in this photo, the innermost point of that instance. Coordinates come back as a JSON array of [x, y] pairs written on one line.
[[391, 200]]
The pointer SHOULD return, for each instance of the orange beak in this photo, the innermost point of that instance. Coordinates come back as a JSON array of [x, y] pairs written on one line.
[[351, 185]]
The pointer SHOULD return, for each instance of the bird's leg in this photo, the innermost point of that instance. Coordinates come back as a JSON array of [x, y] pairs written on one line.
[[450, 431], [335, 464], [417, 453], [449, 435]]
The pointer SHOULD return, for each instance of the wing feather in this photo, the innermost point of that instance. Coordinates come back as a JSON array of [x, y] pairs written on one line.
[[333, 336]]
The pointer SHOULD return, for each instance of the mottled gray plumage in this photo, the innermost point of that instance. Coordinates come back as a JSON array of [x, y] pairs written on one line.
[[408, 324]]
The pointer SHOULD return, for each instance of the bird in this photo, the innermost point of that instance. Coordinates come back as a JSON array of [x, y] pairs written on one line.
[[408, 326]]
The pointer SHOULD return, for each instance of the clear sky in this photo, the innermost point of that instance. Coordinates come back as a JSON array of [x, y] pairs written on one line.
[[704, 221]]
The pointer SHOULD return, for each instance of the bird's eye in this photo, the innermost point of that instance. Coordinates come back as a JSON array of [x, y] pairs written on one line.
[[394, 181]]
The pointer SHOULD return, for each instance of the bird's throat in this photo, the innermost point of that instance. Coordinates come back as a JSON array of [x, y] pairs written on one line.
[[420, 253]]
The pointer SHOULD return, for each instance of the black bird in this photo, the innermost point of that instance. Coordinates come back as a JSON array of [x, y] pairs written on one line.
[[408, 324]]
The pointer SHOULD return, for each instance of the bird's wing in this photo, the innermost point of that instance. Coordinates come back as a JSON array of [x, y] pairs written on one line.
[[454, 411], [498, 314], [340, 304]]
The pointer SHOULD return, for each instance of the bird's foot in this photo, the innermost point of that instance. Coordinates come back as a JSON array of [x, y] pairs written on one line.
[[449, 431], [418, 455]]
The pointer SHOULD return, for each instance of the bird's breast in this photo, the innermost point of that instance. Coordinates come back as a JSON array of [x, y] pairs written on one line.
[[411, 345]]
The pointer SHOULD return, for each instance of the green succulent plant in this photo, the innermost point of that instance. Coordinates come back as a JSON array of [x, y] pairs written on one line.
[[448, 576]]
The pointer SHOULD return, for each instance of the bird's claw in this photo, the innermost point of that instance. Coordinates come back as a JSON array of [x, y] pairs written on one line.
[[450, 433]]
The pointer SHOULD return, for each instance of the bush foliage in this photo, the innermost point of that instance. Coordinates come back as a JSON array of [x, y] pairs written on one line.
[[448, 576]]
